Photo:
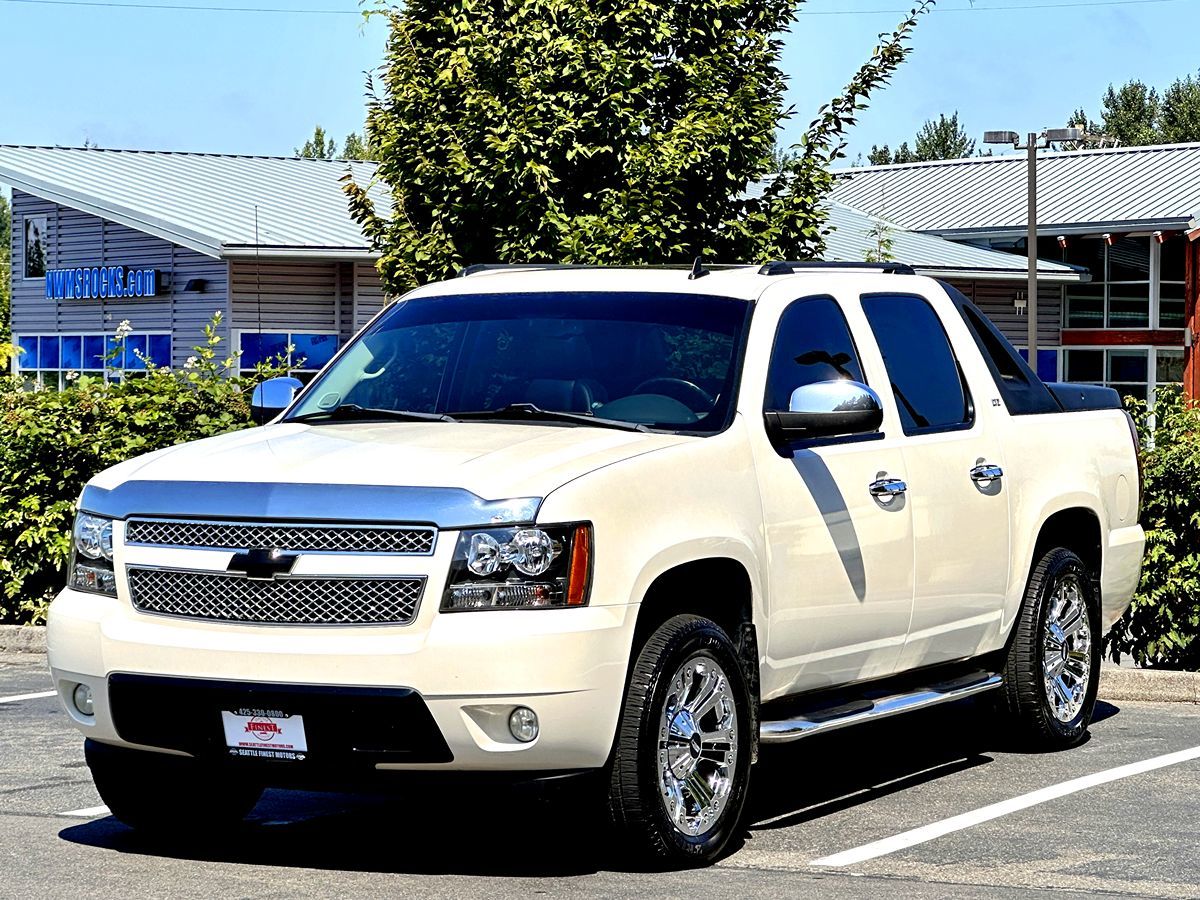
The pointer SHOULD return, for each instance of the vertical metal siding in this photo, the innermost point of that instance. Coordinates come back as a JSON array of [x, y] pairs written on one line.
[[284, 295], [368, 292], [996, 300], [78, 239]]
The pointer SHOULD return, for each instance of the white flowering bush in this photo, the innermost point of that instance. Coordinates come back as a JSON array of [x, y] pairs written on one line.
[[52, 442]]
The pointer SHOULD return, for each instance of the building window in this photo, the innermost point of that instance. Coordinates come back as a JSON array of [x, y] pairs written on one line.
[[303, 353], [35, 247], [1136, 282], [1118, 296], [46, 360], [1171, 281], [1133, 371]]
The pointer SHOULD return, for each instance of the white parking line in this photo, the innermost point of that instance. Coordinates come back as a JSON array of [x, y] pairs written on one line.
[[1003, 808], [90, 812], [20, 697]]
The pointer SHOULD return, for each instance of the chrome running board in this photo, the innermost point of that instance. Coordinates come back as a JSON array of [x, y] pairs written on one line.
[[818, 721]]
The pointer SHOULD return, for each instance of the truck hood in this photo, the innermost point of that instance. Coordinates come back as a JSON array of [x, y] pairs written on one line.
[[490, 460]]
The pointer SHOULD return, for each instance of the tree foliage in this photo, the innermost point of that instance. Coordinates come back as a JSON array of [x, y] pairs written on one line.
[[322, 146], [357, 147], [1136, 114], [941, 138], [1162, 626], [319, 146], [610, 132]]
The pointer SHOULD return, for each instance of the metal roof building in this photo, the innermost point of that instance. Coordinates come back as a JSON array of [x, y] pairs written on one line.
[[166, 240], [217, 205], [1127, 215], [1079, 192], [852, 238]]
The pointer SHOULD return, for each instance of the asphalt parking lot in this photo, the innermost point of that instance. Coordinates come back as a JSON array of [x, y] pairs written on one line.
[[931, 805]]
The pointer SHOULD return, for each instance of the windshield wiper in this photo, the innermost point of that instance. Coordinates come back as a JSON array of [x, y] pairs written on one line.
[[352, 412], [518, 411]]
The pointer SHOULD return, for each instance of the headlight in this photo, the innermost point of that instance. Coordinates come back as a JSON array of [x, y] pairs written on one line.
[[520, 568], [91, 556]]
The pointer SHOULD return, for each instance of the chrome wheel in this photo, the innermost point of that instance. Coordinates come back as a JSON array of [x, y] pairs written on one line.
[[1067, 650], [697, 747]]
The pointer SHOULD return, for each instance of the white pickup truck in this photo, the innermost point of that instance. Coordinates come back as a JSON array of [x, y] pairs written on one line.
[[622, 523]]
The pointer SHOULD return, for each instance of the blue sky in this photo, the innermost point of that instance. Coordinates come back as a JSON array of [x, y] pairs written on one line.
[[257, 83]]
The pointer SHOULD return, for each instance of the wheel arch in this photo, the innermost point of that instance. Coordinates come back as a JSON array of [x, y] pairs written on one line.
[[717, 587], [1076, 528]]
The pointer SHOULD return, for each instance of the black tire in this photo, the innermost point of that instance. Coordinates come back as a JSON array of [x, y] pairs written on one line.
[[636, 800], [165, 794], [1026, 696]]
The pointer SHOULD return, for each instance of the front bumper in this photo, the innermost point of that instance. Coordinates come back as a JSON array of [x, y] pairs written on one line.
[[468, 669]]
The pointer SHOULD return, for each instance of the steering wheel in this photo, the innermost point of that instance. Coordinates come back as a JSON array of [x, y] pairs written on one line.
[[686, 392]]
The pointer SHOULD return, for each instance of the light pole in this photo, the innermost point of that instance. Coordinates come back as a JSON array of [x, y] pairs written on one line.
[[1032, 144]]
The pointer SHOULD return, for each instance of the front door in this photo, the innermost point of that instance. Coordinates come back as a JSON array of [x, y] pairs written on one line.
[[840, 558]]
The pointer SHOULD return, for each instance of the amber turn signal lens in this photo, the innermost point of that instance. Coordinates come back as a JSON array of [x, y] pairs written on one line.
[[581, 566]]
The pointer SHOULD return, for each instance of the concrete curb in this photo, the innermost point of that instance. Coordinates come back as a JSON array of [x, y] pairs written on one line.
[[1116, 682], [22, 639], [1155, 685]]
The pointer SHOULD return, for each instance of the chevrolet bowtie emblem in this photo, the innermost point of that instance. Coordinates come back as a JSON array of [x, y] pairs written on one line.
[[262, 565]]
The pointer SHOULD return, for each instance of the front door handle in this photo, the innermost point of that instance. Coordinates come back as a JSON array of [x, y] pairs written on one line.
[[887, 487], [986, 472]]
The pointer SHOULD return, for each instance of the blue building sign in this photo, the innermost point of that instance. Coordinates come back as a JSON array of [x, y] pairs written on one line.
[[113, 282]]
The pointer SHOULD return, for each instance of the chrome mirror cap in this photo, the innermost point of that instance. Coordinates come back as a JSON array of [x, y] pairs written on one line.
[[824, 397], [272, 397], [825, 409]]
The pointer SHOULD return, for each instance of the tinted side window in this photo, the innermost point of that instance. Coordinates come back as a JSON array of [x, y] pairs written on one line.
[[921, 366], [812, 343], [1023, 393]]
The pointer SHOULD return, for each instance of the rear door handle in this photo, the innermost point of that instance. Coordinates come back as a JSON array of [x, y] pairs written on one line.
[[986, 472], [887, 487]]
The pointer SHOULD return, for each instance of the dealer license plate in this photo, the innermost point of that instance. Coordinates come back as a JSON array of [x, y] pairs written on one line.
[[264, 733]]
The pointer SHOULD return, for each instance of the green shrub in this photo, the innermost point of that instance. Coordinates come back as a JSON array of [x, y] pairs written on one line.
[[52, 442], [1162, 626]]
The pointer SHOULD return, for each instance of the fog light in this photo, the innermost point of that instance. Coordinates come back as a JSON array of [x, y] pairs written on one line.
[[523, 723], [83, 699]]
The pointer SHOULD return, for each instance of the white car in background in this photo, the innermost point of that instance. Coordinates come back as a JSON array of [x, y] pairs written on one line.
[[625, 522]]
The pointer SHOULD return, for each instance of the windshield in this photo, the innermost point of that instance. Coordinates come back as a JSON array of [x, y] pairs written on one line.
[[666, 361]]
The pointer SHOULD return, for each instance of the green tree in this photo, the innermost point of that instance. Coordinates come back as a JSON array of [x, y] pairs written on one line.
[[602, 133], [1131, 114], [1179, 112], [943, 139], [356, 147], [880, 156], [319, 146], [883, 156]]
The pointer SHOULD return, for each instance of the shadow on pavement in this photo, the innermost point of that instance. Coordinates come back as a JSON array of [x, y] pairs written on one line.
[[529, 830]]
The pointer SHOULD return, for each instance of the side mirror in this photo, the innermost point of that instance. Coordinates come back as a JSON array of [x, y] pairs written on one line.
[[272, 397], [826, 409]]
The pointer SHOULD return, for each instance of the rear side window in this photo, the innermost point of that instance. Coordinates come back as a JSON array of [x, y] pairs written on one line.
[[812, 344], [925, 376], [1023, 392]]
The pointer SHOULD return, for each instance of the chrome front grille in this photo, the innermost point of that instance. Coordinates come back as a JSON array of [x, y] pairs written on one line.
[[287, 600], [409, 540]]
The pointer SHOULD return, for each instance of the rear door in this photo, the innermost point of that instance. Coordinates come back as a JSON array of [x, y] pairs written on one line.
[[954, 459]]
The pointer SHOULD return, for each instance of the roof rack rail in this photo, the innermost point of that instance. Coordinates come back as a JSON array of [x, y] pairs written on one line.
[[476, 268], [790, 267]]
